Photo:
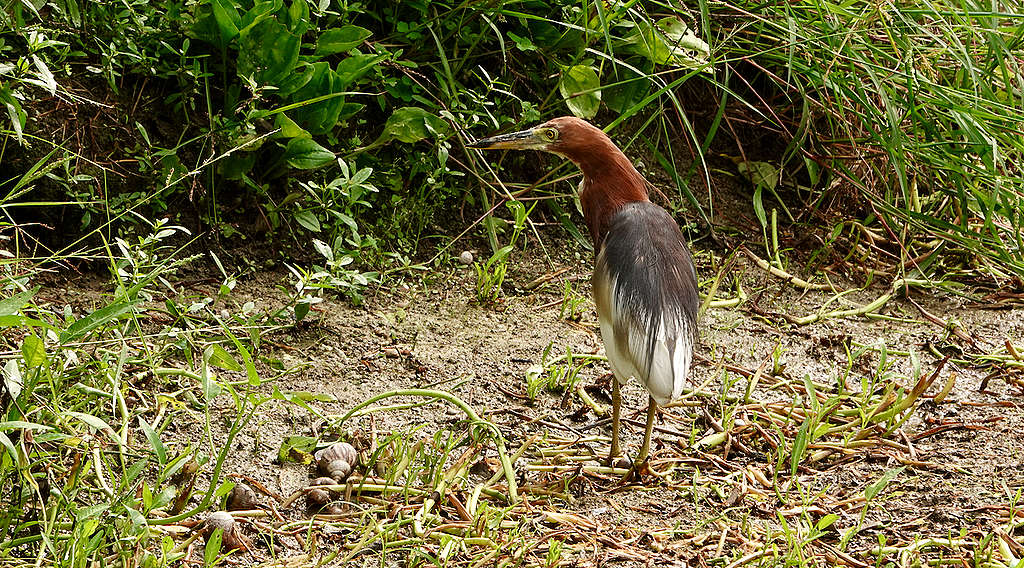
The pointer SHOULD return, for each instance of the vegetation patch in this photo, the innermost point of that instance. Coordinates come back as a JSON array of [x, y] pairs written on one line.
[[841, 169]]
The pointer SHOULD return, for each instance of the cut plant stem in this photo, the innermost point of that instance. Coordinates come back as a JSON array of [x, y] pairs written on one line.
[[794, 280]]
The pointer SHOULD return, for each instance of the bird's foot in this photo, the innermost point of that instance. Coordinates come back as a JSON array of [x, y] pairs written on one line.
[[637, 472]]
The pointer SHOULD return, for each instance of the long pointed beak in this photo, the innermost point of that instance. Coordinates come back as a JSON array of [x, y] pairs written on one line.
[[522, 140]]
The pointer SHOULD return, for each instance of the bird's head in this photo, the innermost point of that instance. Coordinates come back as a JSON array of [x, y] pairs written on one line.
[[567, 136], [609, 179]]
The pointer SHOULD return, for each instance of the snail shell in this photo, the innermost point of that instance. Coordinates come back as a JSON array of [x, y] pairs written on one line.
[[320, 496], [242, 498], [336, 461], [230, 538]]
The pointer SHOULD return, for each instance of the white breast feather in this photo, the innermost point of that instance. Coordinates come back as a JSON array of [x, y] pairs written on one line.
[[670, 364], [621, 363]]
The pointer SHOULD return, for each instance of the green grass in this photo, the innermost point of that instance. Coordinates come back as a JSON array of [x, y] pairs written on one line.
[[914, 108]]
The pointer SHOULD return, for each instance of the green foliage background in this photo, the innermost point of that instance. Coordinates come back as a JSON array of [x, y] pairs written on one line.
[[214, 111]]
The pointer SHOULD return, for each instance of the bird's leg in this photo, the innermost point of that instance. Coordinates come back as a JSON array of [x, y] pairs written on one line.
[[640, 466], [652, 410], [616, 407]]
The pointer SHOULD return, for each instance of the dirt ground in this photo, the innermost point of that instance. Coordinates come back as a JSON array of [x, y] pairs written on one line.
[[956, 466]]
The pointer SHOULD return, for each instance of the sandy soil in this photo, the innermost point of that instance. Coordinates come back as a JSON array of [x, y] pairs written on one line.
[[963, 457]]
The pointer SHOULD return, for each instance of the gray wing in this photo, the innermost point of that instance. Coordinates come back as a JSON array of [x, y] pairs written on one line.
[[645, 288]]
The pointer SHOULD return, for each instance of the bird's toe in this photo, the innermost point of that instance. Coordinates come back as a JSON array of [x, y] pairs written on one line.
[[638, 472]]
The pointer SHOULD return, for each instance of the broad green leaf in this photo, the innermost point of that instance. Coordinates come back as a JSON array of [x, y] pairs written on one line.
[[291, 198], [13, 305], [411, 124], [90, 512], [872, 491], [98, 318], [301, 309], [318, 102], [499, 256], [137, 518], [33, 350], [212, 549], [267, 52], [218, 356], [522, 43], [298, 80], [96, 423], [237, 164], [261, 10], [224, 488], [13, 380], [298, 17], [348, 110], [812, 393], [252, 375], [211, 388], [759, 206], [650, 42], [227, 19], [297, 449], [324, 249], [22, 425], [307, 219], [337, 40], [73, 13], [799, 447], [46, 78], [353, 67], [318, 117], [826, 521], [154, 441], [759, 173], [305, 396], [17, 115], [630, 89], [6, 442], [165, 497], [362, 175], [288, 127], [685, 48], [669, 42], [305, 154], [580, 87], [302, 398]]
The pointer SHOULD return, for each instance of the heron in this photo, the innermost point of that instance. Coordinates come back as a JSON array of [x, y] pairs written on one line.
[[644, 282]]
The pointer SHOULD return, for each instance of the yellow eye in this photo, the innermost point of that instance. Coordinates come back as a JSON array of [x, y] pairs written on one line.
[[550, 134]]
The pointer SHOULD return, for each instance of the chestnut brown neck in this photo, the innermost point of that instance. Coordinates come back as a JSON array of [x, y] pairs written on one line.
[[609, 182]]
